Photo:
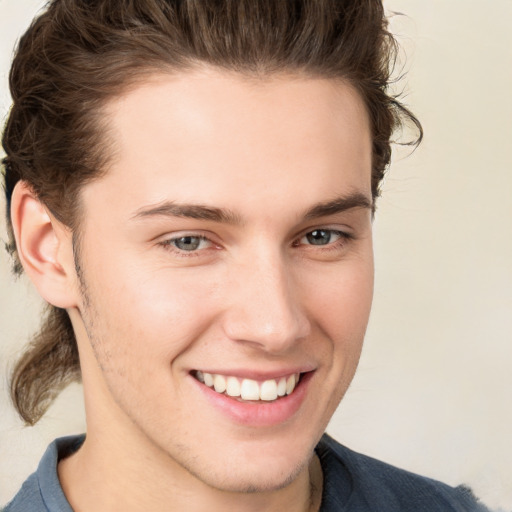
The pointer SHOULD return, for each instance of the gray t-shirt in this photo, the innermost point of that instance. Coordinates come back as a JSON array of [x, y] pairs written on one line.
[[42, 492], [352, 483]]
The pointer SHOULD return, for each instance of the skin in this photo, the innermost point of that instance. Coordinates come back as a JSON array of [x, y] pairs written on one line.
[[256, 296]]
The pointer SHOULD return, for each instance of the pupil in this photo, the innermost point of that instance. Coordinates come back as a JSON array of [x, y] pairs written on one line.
[[319, 237], [188, 243]]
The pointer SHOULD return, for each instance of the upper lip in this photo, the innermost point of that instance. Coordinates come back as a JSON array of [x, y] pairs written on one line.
[[257, 374]]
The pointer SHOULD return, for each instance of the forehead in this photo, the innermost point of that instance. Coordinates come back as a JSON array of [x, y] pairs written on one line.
[[203, 136]]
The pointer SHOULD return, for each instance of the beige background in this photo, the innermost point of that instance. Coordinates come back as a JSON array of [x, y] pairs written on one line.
[[434, 388]]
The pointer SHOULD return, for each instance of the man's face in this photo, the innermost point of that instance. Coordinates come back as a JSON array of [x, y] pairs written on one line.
[[230, 240]]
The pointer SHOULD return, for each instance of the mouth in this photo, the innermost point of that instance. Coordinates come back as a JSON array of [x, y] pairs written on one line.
[[249, 390], [252, 402]]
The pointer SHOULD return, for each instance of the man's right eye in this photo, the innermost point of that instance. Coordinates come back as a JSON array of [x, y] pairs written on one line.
[[187, 243]]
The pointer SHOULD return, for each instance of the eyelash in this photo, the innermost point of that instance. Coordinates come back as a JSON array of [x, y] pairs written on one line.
[[344, 237]]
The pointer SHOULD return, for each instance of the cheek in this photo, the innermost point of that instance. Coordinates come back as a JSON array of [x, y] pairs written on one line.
[[340, 305], [139, 326], [151, 317], [341, 298], [339, 302]]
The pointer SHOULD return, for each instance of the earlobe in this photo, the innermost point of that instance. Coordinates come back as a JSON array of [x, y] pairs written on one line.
[[44, 247]]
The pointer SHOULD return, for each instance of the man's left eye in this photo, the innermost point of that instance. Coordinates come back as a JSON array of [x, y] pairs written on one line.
[[321, 237], [189, 243]]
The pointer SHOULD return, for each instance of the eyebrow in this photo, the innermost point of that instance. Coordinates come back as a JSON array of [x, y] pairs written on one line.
[[226, 216], [339, 205], [191, 211]]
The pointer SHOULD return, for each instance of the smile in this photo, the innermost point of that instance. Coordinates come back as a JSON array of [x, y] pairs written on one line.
[[249, 389]]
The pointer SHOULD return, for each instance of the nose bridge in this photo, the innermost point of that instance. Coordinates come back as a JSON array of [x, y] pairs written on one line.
[[265, 308]]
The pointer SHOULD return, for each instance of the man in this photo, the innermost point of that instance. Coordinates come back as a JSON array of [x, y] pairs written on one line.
[[191, 188]]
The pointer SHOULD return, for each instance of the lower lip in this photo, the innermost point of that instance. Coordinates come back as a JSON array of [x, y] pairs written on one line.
[[258, 414]]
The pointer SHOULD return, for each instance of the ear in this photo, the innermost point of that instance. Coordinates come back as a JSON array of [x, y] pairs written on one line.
[[44, 247]]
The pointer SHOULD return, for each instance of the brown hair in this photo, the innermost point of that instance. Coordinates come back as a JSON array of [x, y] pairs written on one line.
[[80, 53]]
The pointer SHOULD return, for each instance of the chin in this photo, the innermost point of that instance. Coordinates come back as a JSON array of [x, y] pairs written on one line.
[[250, 470], [261, 479]]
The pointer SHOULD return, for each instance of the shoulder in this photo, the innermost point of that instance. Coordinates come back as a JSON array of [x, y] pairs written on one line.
[[376, 486], [27, 498], [41, 492]]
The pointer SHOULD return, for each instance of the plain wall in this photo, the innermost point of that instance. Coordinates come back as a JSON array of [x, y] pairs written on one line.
[[433, 393]]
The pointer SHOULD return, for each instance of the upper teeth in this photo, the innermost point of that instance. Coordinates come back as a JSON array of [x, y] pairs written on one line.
[[249, 389]]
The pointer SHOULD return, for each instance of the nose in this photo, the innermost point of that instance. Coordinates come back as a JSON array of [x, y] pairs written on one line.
[[265, 307]]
